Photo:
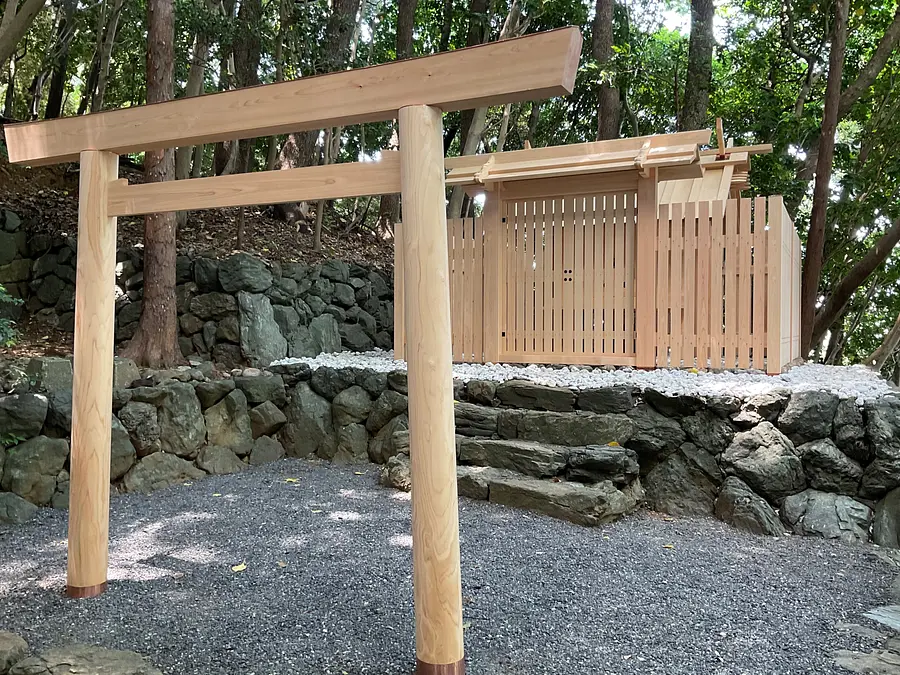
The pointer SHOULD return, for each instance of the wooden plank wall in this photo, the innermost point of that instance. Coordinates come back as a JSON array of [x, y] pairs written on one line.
[[567, 295], [718, 289]]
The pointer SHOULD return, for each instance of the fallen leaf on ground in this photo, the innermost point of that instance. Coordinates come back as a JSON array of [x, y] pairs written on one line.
[[359, 473], [187, 483], [217, 494], [317, 510], [668, 545], [281, 563], [291, 480], [239, 568], [467, 624]]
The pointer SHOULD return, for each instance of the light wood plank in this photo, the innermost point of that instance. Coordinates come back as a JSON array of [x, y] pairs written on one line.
[[759, 295], [478, 328], [717, 279], [731, 272], [468, 310], [663, 285], [744, 292], [677, 288], [705, 297], [558, 275], [540, 272], [494, 274], [552, 187], [619, 257], [689, 335], [587, 360], [399, 295], [509, 280], [646, 234], [630, 225], [579, 275], [609, 274], [569, 272], [534, 67]]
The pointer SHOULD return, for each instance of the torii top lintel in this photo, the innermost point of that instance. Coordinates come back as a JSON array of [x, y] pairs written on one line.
[[532, 67]]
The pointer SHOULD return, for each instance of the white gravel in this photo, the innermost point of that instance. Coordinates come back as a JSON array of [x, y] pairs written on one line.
[[856, 382]]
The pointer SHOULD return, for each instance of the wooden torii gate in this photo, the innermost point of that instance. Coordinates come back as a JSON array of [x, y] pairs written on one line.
[[415, 92]]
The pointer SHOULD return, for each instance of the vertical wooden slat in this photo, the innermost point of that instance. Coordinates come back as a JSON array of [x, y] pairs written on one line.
[[646, 236], [717, 273], [558, 275], [629, 231], [579, 274], [478, 328], [795, 290], [599, 329], [531, 235], [662, 287], [704, 287], [588, 246], [619, 256], [510, 278], [744, 293], [522, 344], [759, 274], [731, 270], [676, 298], [568, 271], [549, 243], [539, 277], [609, 234], [493, 265], [468, 241], [689, 334], [787, 266]]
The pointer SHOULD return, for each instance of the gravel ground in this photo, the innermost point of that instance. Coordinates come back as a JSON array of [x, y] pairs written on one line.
[[327, 586], [857, 382]]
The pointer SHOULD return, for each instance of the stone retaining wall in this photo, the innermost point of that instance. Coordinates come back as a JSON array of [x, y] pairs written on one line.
[[807, 462], [237, 310]]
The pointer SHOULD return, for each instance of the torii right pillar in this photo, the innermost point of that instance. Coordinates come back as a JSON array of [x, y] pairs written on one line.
[[435, 508]]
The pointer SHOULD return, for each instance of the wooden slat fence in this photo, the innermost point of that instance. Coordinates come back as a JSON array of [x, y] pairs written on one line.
[[726, 282]]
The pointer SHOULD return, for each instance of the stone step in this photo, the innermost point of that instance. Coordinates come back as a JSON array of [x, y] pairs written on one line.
[[584, 464], [594, 504]]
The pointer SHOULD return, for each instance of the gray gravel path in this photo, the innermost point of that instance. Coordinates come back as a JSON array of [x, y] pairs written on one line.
[[327, 587]]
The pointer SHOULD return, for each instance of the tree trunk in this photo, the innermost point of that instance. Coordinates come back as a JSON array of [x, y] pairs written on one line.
[[106, 47], [225, 152], [283, 20], [193, 87], [856, 277], [15, 23], [602, 45], [155, 344], [504, 127], [886, 349], [699, 73], [815, 242], [446, 26], [65, 32]]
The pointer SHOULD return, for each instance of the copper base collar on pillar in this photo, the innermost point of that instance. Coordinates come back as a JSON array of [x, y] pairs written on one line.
[[458, 668], [81, 592]]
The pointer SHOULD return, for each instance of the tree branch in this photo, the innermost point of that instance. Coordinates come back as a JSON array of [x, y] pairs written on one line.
[[870, 71]]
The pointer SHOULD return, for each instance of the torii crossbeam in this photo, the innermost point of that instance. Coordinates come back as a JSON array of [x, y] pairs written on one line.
[[415, 92]]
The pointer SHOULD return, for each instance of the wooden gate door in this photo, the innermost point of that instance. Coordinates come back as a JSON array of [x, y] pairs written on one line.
[[567, 282]]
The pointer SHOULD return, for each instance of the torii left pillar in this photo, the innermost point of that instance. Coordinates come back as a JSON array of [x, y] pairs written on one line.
[[93, 378]]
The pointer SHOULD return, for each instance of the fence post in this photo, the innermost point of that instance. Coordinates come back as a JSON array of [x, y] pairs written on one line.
[[93, 375], [435, 509], [645, 271], [399, 300], [493, 275], [774, 295]]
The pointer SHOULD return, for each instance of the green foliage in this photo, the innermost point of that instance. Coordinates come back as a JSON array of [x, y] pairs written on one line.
[[9, 441], [7, 326]]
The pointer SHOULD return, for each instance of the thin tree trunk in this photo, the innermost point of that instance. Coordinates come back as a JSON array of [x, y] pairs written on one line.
[[699, 73], [504, 127], [608, 107], [446, 25], [856, 277], [283, 19], [533, 120], [65, 33], [155, 344], [886, 349], [106, 48], [815, 242], [15, 23]]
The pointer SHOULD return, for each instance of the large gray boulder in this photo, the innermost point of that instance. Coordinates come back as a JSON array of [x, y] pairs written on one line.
[[181, 427], [309, 428], [266, 419], [158, 471], [685, 483], [572, 429], [351, 406], [828, 469], [528, 395], [386, 407], [244, 272], [261, 388], [86, 659], [23, 415], [879, 477], [827, 515], [616, 399], [210, 393], [218, 461], [595, 463], [886, 526], [809, 415], [352, 444], [742, 508], [354, 337], [679, 405], [655, 436], [527, 457], [384, 444], [708, 431], [850, 432], [395, 473], [213, 306], [12, 648], [582, 504], [261, 340], [765, 407], [140, 420], [14, 511], [301, 343], [228, 424], [50, 373], [883, 427], [329, 382], [325, 333], [476, 420], [265, 450], [766, 460], [31, 468], [122, 454]]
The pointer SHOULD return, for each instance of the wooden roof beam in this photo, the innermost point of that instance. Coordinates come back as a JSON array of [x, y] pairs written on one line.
[[331, 181], [528, 68]]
